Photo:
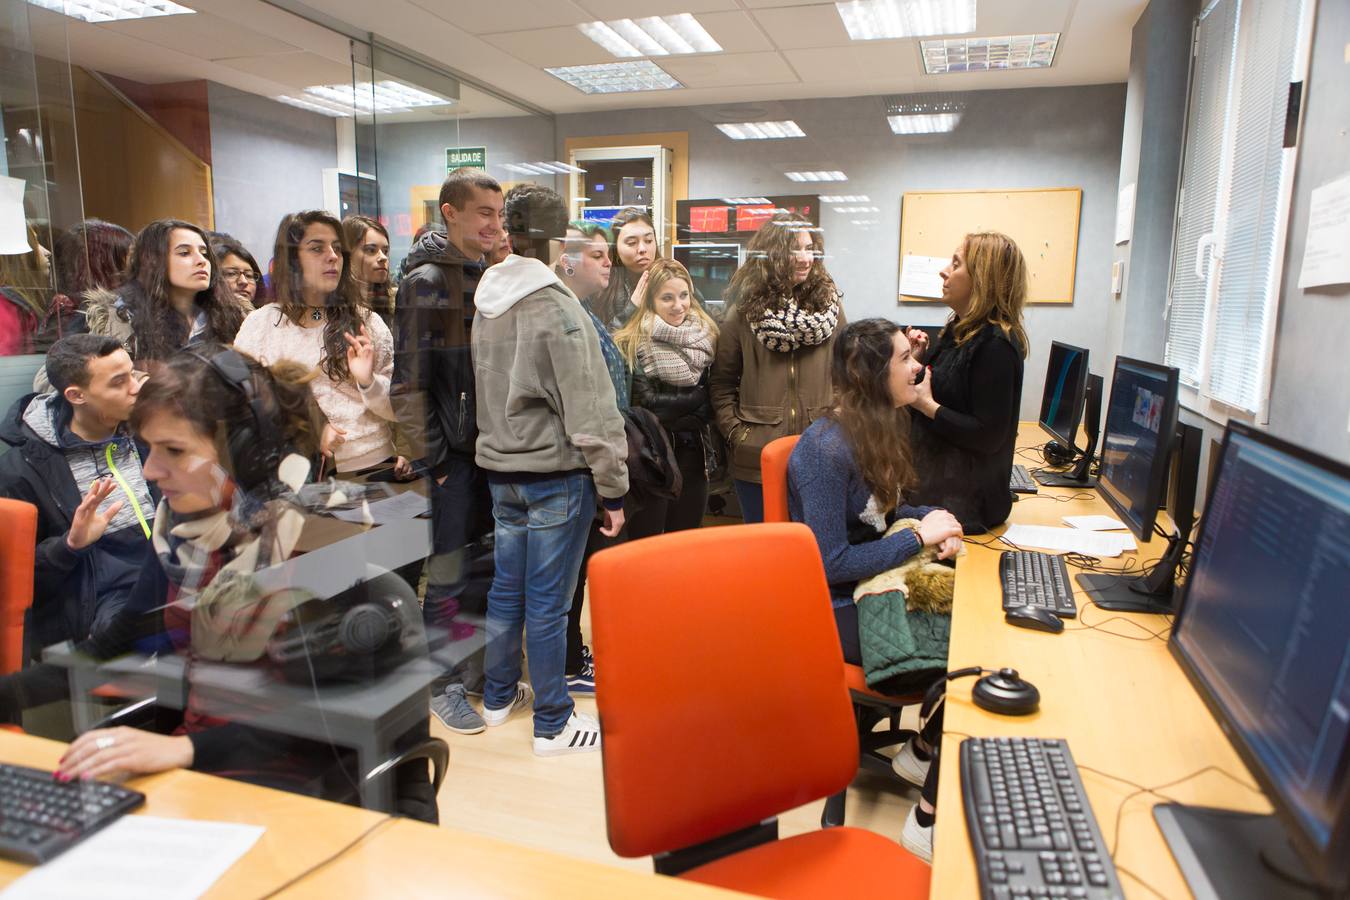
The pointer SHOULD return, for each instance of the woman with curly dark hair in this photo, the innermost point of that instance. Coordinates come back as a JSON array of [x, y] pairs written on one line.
[[318, 319], [173, 296], [771, 375]]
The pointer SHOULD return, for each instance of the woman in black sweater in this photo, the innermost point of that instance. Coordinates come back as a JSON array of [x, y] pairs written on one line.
[[966, 427]]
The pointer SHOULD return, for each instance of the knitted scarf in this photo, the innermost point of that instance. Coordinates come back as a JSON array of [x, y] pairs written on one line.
[[785, 326], [677, 355]]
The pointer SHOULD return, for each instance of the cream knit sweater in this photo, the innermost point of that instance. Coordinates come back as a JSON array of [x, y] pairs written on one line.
[[365, 415]]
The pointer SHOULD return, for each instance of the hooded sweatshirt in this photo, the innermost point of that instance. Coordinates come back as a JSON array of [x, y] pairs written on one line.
[[53, 468], [546, 405]]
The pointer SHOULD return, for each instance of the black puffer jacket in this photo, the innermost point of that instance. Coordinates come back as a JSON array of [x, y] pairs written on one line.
[[681, 410], [433, 384]]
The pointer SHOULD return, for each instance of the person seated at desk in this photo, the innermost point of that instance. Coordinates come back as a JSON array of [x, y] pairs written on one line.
[[229, 441], [74, 458], [966, 432], [848, 478]]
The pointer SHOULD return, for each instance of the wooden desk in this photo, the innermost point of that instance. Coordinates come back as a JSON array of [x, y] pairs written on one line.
[[398, 858], [1124, 706]]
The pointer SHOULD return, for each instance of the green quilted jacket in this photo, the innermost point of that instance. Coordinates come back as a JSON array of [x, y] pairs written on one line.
[[896, 642]]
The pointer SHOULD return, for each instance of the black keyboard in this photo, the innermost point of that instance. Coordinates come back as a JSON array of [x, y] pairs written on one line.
[[1031, 578], [1030, 825], [1021, 482], [41, 817]]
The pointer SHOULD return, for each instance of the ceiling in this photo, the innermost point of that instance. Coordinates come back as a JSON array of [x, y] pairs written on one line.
[[773, 49]]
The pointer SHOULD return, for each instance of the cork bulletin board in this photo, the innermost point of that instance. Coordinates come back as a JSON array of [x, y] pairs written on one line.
[[1043, 222]]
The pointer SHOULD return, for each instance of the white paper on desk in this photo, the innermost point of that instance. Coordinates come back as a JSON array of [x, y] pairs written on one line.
[[1102, 544], [141, 858], [1326, 248], [921, 276], [1094, 523], [407, 505]]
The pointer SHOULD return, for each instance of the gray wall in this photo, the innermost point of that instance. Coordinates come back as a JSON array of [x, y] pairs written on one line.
[[267, 159], [1050, 137]]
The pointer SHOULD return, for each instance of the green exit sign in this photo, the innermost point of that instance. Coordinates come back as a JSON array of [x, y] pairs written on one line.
[[457, 157]]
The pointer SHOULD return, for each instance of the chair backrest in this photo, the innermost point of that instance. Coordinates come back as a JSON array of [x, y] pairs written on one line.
[[773, 467], [720, 684], [18, 548]]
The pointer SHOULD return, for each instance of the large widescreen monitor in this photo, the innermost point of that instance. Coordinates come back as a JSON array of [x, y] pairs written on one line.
[[1141, 421]]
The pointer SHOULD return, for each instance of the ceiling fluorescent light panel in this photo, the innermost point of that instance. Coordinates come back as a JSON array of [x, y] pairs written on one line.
[[872, 20], [986, 54], [651, 36], [112, 10], [845, 198], [761, 131], [816, 176], [614, 78]]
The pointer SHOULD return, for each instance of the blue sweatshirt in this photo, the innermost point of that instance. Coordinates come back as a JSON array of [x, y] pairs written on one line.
[[827, 492]]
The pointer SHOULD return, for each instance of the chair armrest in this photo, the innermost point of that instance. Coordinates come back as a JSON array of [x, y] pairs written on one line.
[[432, 748]]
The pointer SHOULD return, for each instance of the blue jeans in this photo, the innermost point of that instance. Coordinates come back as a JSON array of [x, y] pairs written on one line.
[[540, 535], [751, 497]]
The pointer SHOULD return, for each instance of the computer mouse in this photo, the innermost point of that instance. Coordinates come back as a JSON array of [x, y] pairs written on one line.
[[1035, 618]]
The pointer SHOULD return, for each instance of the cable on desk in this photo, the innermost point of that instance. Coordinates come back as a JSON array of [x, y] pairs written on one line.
[[329, 859], [1151, 889], [1061, 498], [1087, 626]]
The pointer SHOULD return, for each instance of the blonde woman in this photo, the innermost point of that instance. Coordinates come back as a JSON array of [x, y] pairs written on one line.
[[668, 343], [967, 408]]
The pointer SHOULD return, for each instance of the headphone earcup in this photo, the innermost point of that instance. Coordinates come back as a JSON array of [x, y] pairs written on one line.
[[1056, 454], [248, 457]]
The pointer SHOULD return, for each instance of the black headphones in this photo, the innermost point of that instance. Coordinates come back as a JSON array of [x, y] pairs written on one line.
[[1056, 454], [1000, 691], [254, 446]]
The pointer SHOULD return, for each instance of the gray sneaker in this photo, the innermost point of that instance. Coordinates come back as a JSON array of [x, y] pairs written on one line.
[[456, 712]]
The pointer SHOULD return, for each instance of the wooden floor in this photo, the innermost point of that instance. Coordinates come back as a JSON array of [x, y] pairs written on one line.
[[496, 786]]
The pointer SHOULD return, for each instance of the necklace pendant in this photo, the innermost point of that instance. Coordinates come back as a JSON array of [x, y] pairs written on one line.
[[317, 314]]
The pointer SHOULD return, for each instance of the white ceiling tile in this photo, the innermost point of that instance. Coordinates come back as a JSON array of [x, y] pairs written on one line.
[[803, 26], [486, 17], [765, 4], [202, 35], [606, 10], [726, 69], [1022, 17], [295, 69], [541, 47], [735, 31], [862, 64]]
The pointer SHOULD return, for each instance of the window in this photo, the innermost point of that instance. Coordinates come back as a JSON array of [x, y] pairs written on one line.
[[1232, 209]]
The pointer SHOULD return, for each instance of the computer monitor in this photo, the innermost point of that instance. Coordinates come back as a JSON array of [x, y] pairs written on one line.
[[711, 267], [1264, 636], [1141, 419], [1070, 390]]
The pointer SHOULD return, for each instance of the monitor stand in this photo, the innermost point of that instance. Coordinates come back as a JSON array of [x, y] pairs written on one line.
[[1068, 479], [1126, 593], [1227, 855]]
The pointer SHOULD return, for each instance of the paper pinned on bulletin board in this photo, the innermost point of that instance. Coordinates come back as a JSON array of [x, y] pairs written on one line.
[[1125, 214], [921, 276], [1326, 248]]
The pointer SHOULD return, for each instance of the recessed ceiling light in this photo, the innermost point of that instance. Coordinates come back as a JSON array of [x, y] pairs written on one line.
[[112, 10], [1017, 51], [746, 201], [816, 176], [651, 36], [923, 123], [380, 97], [925, 113], [870, 20], [845, 198], [614, 78], [762, 131], [326, 109], [542, 168], [855, 209]]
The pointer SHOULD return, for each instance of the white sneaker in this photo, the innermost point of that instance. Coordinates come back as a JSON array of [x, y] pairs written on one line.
[[910, 767], [580, 735], [522, 699], [917, 839]]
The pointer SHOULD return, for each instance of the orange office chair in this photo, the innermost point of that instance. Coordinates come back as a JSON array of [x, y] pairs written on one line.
[[869, 706], [722, 704], [18, 549]]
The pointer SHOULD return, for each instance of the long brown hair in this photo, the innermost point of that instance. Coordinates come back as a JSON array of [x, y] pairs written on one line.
[[877, 431], [375, 296], [160, 331], [998, 289], [615, 295], [22, 277], [639, 326], [766, 276], [343, 308]]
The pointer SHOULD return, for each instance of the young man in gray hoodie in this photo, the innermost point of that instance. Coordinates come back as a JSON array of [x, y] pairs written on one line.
[[73, 457], [551, 439]]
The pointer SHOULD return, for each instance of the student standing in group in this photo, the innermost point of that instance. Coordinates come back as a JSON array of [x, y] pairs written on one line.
[[435, 398], [771, 373], [966, 432], [318, 320], [368, 242], [551, 439], [669, 344], [635, 249], [25, 296], [173, 296], [90, 257], [849, 477], [73, 457], [585, 269], [239, 270]]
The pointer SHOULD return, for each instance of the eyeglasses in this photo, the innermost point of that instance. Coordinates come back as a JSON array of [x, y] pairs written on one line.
[[239, 274]]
